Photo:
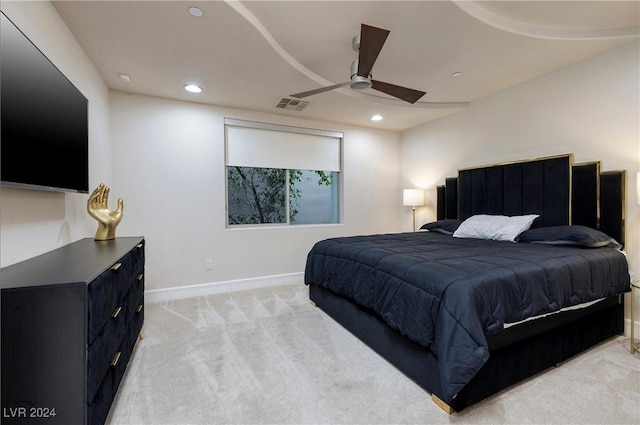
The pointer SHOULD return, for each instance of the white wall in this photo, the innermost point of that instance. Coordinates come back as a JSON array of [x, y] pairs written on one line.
[[169, 169], [590, 109], [33, 222]]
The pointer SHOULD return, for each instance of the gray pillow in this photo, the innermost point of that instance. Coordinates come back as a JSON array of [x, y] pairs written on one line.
[[446, 227], [582, 236]]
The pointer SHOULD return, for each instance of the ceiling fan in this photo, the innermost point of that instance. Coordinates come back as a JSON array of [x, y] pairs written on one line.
[[368, 46]]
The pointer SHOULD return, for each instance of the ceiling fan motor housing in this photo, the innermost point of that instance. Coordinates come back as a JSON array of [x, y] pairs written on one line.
[[359, 82]]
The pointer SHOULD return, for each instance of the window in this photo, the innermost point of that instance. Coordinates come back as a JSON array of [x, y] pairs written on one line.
[[281, 175]]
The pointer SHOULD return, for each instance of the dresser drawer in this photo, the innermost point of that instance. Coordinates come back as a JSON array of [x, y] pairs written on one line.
[[136, 294], [106, 293], [98, 408], [103, 289], [105, 346], [138, 258], [120, 366], [125, 275], [136, 323]]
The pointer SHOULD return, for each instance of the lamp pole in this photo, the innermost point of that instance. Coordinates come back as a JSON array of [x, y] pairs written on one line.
[[413, 198], [414, 217]]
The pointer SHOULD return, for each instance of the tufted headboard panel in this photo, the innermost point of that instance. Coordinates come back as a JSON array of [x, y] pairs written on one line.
[[553, 187]]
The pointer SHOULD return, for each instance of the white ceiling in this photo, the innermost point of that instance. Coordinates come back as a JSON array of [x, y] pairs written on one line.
[[251, 54]]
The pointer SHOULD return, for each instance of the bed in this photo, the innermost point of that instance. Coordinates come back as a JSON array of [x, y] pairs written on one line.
[[465, 316]]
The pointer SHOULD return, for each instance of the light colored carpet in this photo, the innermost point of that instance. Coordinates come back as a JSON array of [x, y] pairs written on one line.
[[267, 357]]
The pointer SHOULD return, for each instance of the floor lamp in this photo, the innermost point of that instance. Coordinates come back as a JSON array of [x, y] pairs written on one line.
[[413, 198]]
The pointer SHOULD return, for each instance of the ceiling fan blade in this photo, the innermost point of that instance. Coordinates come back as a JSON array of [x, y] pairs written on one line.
[[402, 93], [320, 90], [371, 41]]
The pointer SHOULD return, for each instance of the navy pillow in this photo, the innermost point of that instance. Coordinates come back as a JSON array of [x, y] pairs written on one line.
[[446, 227], [569, 235]]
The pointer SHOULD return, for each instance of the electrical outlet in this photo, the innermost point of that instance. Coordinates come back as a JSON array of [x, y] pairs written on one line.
[[208, 264]]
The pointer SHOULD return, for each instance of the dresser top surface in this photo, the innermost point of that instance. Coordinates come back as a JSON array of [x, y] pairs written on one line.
[[77, 262]]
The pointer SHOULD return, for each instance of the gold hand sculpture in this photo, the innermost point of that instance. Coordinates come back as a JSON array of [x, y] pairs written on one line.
[[107, 219]]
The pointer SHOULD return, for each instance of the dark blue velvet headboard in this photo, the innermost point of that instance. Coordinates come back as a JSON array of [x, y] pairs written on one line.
[[553, 187]]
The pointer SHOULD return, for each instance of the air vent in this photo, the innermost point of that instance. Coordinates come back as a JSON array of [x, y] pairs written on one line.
[[292, 104]]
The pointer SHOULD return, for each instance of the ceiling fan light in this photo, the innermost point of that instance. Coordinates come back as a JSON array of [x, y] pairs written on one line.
[[359, 83]]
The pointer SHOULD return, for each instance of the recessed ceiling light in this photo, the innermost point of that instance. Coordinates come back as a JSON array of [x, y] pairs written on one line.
[[125, 77], [193, 88], [376, 118], [457, 74], [195, 11]]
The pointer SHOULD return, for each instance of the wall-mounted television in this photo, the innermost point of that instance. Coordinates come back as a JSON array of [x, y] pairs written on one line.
[[44, 142]]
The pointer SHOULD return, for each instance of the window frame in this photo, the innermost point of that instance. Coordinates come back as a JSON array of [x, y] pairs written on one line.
[[232, 122]]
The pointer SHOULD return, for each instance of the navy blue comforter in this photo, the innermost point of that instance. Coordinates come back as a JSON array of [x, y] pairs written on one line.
[[448, 293]]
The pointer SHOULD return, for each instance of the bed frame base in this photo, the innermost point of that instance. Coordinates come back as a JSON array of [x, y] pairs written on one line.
[[518, 354]]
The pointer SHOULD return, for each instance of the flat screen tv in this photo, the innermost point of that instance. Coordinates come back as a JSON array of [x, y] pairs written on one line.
[[44, 141]]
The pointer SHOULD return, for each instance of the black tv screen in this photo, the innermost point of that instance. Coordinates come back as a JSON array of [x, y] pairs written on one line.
[[44, 141]]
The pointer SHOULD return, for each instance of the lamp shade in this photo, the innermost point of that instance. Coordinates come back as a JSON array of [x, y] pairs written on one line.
[[413, 197]]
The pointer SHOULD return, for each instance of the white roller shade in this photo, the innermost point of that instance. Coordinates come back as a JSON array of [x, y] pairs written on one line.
[[255, 147]]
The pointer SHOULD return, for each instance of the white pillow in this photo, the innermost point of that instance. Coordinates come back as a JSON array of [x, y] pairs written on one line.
[[495, 227]]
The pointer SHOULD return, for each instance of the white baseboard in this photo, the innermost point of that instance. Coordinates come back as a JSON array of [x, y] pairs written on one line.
[[627, 329], [180, 292]]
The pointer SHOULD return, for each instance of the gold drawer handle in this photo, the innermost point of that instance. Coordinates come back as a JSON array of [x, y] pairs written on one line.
[[115, 359], [139, 277], [139, 246], [116, 312], [139, 309], [116, 266]]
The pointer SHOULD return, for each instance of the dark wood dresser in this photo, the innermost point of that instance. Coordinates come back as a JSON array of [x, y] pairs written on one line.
[[70, 321]]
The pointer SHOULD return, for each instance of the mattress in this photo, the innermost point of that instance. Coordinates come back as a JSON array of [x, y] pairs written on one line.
[[541, 316]]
